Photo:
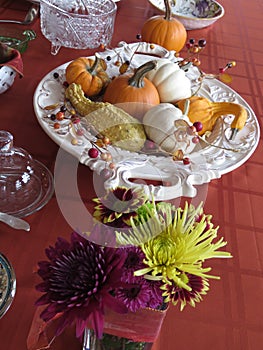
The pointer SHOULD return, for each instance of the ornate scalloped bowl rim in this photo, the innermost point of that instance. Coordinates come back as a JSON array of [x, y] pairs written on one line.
[[191, 18]]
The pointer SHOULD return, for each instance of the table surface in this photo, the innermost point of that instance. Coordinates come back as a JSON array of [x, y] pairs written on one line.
[[230, 316]]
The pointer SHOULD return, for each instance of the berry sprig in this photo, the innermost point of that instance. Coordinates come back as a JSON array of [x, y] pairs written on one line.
[[99, 149], [194, 49], [63, 119], [120, 62]]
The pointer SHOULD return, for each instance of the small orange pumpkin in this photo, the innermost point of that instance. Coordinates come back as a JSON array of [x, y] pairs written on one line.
[[89, 73], [165, 30], [133, 87]]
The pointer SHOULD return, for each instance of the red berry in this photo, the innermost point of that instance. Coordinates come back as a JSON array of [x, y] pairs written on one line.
[[93, 152], [75, 120], [195, 139], [198, 126], [186, 161]]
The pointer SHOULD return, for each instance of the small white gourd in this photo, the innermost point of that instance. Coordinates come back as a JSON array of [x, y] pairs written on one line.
[[168, 127], [170, 81]]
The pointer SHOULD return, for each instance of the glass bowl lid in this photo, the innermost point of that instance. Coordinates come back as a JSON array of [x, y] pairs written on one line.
[[26, 185]]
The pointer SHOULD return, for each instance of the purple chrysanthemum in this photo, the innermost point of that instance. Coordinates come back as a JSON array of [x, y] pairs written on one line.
[[199, 286], [156, 299], [135, 294], [118, 206], [77, 283], [133, 262]]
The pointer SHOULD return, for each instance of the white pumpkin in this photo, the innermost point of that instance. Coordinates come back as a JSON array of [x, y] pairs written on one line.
[[170, 80], [166, 125]]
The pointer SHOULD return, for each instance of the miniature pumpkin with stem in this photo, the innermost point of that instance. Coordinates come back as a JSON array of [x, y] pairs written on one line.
[[165, 30], [89, 73], [133, 91]]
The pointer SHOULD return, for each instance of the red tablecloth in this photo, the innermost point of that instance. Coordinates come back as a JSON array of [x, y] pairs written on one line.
[[230, 317]]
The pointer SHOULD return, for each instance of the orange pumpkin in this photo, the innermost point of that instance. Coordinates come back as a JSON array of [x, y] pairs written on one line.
[[133, 87], [89, 73], [165, 31]]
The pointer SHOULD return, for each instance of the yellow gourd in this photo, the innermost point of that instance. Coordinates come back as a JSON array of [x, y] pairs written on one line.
[[122, 129], [203, 110]]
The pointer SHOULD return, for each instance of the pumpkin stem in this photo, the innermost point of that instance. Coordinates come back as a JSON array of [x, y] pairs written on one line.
[[137, 79], [186, 107], [93, 68], [168, 11]]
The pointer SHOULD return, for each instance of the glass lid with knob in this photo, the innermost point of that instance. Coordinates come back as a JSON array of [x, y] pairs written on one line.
[[26, 185]]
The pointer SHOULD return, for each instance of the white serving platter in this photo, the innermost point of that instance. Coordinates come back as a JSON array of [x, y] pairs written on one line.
[[158, 174]]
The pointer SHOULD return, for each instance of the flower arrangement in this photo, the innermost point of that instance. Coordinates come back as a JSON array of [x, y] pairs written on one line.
[[155, 259]]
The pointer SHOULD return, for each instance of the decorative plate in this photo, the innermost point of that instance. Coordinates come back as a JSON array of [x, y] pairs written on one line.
[[194, 14], [169, 179], [7, 284]]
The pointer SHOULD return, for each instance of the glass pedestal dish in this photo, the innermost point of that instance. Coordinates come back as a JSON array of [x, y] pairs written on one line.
[[26, 185]]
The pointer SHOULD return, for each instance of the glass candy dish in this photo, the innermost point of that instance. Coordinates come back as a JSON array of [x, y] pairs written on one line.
[[26, 185], [7, 284], [16, 38], [77, 24]]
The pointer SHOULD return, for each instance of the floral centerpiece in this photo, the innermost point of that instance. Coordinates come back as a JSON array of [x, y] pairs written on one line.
[[153, 257]]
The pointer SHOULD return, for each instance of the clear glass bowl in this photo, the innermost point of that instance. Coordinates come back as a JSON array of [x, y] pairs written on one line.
[[77, 24], [16, 38], [26, 185]]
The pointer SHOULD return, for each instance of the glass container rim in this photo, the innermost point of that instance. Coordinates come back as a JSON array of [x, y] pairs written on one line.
[[79, 15]]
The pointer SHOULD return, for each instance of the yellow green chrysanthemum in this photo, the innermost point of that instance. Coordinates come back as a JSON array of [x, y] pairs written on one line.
[[177, 244]]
